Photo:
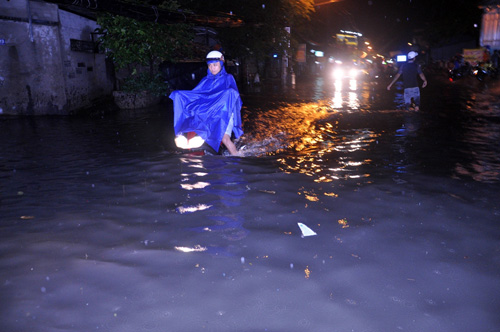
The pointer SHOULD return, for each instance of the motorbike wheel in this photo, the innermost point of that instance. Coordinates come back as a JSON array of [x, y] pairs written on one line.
[[480, 75]]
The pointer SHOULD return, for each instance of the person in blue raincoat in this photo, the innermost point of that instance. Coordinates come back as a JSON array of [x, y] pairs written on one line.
[[212, 108]]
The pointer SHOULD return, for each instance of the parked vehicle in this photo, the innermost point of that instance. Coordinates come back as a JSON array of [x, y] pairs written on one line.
[[459, 72], [485, 70]]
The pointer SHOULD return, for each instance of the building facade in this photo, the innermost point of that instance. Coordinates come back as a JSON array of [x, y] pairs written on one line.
[[48, 60], [490, 27]]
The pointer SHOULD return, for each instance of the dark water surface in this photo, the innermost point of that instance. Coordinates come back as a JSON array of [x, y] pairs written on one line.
[[106, 227]]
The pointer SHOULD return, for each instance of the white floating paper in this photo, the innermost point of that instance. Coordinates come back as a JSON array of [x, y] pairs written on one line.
[[306, 231]]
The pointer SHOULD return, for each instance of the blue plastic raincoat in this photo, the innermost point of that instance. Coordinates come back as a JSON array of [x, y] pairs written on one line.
[[208, 108]]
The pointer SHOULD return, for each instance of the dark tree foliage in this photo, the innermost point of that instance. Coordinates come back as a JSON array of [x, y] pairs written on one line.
[[390, 24], [446, 20], [263, 31]]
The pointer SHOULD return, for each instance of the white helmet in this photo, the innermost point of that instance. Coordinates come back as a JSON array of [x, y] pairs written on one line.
[[412, 55], [215, 55]]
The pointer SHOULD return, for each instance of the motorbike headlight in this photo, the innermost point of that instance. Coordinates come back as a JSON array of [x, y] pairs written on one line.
[[181, 142], [196, 142], [184, 143]]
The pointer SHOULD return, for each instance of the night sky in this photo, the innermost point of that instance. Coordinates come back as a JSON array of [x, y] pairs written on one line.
[[389, 24]]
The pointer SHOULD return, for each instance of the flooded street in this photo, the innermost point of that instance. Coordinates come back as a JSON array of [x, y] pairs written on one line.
[[106, 227]]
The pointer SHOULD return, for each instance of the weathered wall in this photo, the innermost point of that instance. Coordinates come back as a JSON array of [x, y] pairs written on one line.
[[39, 74], [86, 75], [30, 70]]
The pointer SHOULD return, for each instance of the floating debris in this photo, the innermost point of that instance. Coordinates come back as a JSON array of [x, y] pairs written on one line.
[[306, 231], [268, 191]]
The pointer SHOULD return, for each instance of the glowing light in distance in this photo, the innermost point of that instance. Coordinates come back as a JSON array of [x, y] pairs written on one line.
[[338, 73]]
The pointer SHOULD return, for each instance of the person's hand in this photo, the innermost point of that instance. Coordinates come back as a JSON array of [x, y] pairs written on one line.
[[389, 86], [424, 84]]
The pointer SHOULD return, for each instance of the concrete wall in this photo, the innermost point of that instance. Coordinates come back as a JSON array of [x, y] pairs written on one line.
[[87, 77], [39, 73]]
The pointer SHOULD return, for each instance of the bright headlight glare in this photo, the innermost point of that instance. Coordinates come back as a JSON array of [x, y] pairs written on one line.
[[196, 142], [182, 142], [353, 72], [338, 73]]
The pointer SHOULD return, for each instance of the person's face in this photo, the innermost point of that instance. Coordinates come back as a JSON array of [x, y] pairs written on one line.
[[214, 67]]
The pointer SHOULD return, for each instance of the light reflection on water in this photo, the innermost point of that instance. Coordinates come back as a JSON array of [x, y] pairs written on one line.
[[333, 157], [121, 249], [481, 136], [307, 138], [354, 129], [346, 96], [212, 186]]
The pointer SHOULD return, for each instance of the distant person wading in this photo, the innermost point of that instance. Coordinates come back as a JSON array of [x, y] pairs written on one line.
[[410, 72]]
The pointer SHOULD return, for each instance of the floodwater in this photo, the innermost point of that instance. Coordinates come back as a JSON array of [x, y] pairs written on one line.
[[106, 227]]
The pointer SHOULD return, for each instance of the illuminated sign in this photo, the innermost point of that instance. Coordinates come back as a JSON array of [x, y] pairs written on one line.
[[401, 58], [347, 39], [473, 55], [359, 34]]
